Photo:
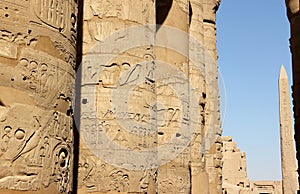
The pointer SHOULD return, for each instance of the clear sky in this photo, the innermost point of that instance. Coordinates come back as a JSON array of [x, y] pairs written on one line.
[[253, 42]]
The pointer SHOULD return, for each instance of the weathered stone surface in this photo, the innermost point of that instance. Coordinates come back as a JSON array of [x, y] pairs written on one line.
[[38, 44], [288, 160], [234, 171], [142, 97], [149, 113], [293, 9], [274, 187], [115, 95]]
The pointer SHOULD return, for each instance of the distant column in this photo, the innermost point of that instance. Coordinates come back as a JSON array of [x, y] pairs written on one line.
[[288, 160]]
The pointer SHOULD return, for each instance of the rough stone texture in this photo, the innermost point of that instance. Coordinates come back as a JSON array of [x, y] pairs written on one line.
[[288, 160], [174, 176], [294, 18], [103, 88], [234, 171], [37, 62], [136, 79], [258, 187]]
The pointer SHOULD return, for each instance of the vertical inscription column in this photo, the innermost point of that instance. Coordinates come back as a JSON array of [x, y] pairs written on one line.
[[37, 71], [118, 135]]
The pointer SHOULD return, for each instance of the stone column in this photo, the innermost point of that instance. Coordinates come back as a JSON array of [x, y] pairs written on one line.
[[137, 95], [294, 19], [212, 130], [288, 160], [199, 177], [173, 96], [118, 115], [37, 71]]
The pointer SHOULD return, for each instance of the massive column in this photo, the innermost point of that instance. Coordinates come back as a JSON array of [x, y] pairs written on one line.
[[174, 176], [118, 133], [288, 160], [293, 8], [37, 70], [149, 98]]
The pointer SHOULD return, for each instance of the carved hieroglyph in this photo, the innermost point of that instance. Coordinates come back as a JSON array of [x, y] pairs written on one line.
[[37, 62], [149, 98], [139, 94], [116, 94], [288, 160]]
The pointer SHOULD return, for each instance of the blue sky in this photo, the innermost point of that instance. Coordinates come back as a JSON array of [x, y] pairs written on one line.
[[253, 42]]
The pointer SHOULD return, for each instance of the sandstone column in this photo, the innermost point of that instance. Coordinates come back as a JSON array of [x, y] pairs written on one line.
[[37, 71], [138, 94], [173, 95], [212, 145], [294, 18], [203, 73], [118, 115], [288, 160]]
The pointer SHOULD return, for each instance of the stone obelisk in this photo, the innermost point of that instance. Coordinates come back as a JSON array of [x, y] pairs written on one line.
[[288, 161]]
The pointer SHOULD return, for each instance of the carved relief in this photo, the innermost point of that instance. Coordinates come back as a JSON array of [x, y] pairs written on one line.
[[36, 129], [173, 180], [42, 74], [96, 175], [67, 55], [62, 166], [59, 15], [36, 157], [18, 38], [136, 110], [52, 12], [119, 181]]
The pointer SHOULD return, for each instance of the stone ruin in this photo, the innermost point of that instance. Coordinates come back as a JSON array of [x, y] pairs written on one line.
[[37, 67], [146, 116], [170, 100]]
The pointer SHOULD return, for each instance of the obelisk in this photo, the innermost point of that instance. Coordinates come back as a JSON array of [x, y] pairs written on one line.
[[288, 160]]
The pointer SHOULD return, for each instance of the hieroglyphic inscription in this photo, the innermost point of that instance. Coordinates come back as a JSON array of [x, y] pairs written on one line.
[[38, 44]]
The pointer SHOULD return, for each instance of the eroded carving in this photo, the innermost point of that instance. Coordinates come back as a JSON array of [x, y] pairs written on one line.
[[28, 147], [38, 42], [18, 38]]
